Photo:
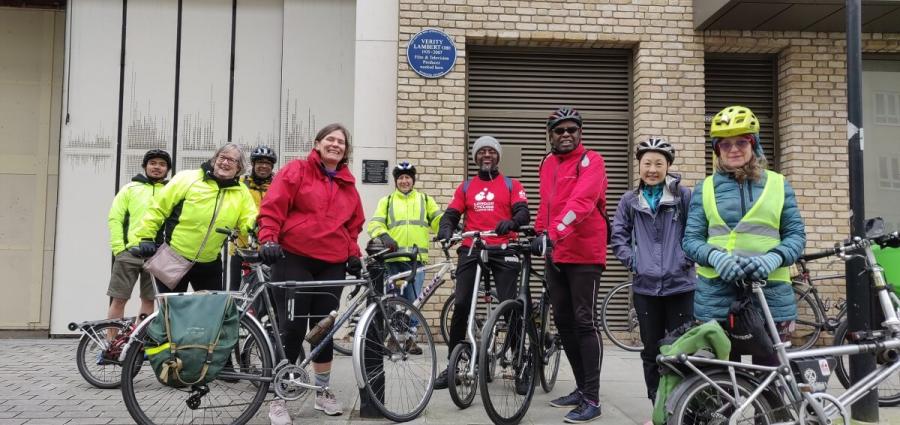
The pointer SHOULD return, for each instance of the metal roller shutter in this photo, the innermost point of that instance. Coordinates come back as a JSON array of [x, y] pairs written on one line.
[[511, 91], [748, 80]]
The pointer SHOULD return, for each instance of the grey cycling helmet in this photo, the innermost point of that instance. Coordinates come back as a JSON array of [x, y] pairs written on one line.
[[562, 114], [263, 152], [656, 144]]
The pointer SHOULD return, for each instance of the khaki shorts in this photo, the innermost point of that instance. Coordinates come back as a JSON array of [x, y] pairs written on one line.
[[125, 271]]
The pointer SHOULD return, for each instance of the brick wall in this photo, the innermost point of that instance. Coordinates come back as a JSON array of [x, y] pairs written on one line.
[[667, 88]]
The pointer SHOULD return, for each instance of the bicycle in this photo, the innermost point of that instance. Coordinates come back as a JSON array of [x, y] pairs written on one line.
[[793, 392], [237, 394], [97, 355], [619, 318], [516, 345]]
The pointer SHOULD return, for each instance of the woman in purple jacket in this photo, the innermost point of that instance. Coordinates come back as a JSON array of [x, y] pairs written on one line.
[[647, 233]]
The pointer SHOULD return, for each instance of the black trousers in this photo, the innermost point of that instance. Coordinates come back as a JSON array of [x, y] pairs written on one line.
[[201, 276], [295, 322], [657, 316], [573, 294], [504, 269]]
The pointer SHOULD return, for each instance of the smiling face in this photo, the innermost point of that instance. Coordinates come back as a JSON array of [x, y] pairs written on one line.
[[226, 164], [331, 148], [487, 159], [156, 169], [565, 136], [262, 168], [735, 151], [405, 183], [653, 168]]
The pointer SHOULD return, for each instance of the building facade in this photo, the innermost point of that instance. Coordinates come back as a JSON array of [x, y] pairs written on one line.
[[116, 79]]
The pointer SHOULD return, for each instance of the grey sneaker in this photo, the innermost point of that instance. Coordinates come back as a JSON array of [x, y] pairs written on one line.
[[326, 402], [278, 413]]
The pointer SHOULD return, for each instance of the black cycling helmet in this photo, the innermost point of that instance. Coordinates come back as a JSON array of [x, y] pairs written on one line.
[[263, 152], [157, 153], [404, 167], [562, 114], [655, 144]]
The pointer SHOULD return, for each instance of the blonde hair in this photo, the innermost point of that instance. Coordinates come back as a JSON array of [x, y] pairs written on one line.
[[751, 171]]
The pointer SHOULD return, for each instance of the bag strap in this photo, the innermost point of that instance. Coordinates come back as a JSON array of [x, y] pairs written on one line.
[[209, 229]]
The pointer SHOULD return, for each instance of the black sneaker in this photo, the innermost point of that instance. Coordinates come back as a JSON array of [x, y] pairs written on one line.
[[585, 412], [523, 384], [571, 400], [441, 383]]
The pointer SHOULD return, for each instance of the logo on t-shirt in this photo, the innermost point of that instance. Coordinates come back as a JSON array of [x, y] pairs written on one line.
[[484, 200]]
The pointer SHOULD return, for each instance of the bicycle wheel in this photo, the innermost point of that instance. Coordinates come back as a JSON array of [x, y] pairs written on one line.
[[218, 402], [462, 386], [810, 319], [398, 383], [888, 390], [446, 316], [344, 344], [620, 321], [508, 357], [97, 364], [701, 403], [551, 349]]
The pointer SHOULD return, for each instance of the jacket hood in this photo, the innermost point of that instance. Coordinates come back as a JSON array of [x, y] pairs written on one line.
[[342, 172], [671, 193], [140, 178], [223, 183]]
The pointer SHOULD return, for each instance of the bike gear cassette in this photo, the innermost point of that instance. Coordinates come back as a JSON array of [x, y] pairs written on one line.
[[291, 382]]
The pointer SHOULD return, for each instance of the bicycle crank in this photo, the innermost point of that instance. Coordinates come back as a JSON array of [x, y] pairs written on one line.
[[291, 382]]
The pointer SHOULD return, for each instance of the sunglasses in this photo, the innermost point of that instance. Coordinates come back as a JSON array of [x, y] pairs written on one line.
[[728, 146], [571, 130]]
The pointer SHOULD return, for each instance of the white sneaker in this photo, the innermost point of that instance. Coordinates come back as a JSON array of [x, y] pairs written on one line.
[[326, 402], [278, 413]]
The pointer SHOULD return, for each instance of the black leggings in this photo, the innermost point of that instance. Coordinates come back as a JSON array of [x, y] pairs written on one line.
[[294, 326], [657, 316], [504, 271], [201, 276], [573, 294]]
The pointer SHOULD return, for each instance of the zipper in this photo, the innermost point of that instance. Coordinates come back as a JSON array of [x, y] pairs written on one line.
[[741, 195]]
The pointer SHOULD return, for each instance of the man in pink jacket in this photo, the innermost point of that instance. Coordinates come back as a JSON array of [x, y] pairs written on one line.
[[572, 227]]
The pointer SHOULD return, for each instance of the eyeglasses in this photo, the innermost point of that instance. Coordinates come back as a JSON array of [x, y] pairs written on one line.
[[571, 130], [729, 145], [226, 159]]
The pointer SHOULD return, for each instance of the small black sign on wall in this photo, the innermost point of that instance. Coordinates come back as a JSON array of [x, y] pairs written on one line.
[[375, 171]]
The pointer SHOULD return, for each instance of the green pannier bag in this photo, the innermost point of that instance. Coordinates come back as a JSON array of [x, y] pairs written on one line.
[[192, 338], [889, 260]]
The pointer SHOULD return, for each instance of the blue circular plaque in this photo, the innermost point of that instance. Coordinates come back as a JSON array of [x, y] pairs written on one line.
[[431, 53]]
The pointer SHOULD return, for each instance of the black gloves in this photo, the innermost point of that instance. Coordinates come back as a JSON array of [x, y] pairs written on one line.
[[505, 226], [146, 249], [354, 266], [270, 253], [445, 233], [388, 242], [541, 245]]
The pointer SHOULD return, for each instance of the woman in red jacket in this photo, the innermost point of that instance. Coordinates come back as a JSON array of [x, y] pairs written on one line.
[[308, 224]]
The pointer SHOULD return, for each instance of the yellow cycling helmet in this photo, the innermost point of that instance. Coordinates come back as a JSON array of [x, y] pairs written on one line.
[[733, 121]]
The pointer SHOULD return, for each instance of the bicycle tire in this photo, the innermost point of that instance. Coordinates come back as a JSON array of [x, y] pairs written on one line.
[[810, 319], [461, 387], [551, 344], [376, 343], [446, 316], [700, 403], [344, 345], [888, 395], [500, 368], [627, 335], [101, 373], [217, 406]]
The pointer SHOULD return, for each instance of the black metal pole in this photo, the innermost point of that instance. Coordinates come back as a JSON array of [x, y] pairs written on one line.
[[859, 296]]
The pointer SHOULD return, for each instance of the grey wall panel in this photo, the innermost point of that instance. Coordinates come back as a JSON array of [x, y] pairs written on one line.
[[87, 162], [204, 80], [257, 73]]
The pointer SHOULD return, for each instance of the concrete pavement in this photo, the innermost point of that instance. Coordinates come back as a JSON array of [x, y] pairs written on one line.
[[39, 384]]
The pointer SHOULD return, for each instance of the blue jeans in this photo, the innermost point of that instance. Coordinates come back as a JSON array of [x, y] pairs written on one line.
[[411, 291]]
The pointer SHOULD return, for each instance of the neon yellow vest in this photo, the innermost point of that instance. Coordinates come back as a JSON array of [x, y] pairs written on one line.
[[406, 218], [756, 233]]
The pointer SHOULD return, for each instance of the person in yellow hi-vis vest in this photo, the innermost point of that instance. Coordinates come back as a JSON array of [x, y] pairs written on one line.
[[404, 219], [743, 223], [262, 165]]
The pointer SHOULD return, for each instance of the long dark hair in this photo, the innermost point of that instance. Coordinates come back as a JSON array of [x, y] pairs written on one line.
[[334, 127]]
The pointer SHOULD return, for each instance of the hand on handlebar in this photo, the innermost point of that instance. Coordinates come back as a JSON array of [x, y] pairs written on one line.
[[506, 226], [270, 253], [542, 245]]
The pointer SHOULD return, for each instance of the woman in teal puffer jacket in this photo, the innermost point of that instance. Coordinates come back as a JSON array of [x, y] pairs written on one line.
[[743, 223]]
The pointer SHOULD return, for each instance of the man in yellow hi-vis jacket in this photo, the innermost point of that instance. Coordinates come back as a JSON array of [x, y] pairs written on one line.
[[404, 219]]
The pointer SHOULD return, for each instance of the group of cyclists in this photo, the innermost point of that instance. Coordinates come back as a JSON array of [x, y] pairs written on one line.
[[741, 223]]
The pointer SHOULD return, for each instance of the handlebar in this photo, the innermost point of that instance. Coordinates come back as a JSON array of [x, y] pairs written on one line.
[[857, 244]]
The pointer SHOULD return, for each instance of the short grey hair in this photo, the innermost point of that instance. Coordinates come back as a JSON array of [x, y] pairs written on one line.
[[242, 158]]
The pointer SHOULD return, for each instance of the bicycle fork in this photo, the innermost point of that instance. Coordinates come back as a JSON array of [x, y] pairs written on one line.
[[470, 327]]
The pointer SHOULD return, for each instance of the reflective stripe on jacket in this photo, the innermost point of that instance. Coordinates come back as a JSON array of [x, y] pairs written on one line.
[[755, 234], [128, 208], [187, 204], [408, 219]]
